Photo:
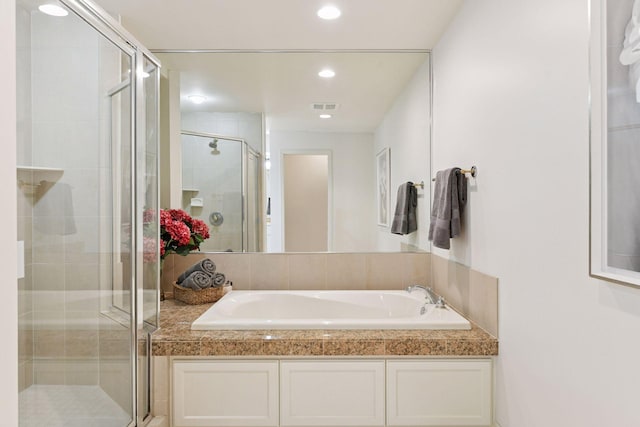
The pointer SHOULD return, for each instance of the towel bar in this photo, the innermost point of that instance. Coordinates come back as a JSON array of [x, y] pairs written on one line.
[[471, 171]]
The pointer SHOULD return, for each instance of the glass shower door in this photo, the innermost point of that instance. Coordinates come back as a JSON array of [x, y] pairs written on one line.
[[88, 298]]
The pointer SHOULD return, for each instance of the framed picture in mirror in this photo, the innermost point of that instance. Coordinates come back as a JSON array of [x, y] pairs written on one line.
[[383, 180]]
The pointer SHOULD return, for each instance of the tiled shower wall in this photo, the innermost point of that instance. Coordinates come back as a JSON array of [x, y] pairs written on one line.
[[472, 293], [217, 175], [59, 295], [25, 285]]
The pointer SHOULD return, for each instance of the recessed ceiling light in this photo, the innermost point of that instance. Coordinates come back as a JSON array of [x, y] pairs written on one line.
[[197, 99], [329, 12], [327, 73], [53, 9], [325, 116]]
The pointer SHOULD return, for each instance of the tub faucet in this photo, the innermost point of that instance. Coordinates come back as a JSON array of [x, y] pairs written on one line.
[[431, 297]]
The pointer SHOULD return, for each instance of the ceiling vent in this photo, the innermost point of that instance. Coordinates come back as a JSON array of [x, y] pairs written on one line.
[[324, 106]]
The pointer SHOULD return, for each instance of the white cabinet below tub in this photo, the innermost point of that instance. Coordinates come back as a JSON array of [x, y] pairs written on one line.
[[225, 393], [332, 393], [439, 392]]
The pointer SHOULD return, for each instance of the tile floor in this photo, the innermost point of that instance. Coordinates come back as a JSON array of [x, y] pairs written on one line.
[[69, 406]]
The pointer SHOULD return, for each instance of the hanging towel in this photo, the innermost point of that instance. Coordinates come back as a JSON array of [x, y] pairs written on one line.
[[206, 266], [53, 209], [404, 219], [449, 199]]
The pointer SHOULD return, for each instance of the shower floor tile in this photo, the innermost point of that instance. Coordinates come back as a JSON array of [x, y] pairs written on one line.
[[69, 406]]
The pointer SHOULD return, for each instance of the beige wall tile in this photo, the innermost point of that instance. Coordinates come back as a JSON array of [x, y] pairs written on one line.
[[25, 300], [384, 271], [80, 343], [48, 277], [455, 289], [49, 343], [46, 248], [416, 269], [236, 267], [167, 275], [49, 372], [82, 277], [346, 271], [181, 263], [472, 293], [47, 304], [483, 297], [307, 271], [25, 337], [439, 273], [270, 272], [81, 372]]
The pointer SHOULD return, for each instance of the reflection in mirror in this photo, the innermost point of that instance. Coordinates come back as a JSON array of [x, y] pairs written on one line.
[[311, 145], [220, 186]]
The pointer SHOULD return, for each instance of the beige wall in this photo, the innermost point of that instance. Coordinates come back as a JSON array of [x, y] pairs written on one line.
[[306, 202]]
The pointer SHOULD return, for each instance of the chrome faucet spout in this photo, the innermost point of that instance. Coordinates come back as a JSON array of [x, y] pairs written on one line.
[[430, 295]]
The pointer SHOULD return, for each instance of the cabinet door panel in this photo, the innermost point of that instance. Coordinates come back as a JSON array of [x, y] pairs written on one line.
[[225, 393], [332, 393], [439, 393]]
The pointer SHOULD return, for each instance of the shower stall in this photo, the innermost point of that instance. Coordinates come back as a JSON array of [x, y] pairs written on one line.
[[221, 186], [87, 198]]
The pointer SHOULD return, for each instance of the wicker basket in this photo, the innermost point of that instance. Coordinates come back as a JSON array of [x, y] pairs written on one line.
[[203, 296]]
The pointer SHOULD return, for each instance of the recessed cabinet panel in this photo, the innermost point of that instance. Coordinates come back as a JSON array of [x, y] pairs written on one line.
[[332, 393], [225, 393], [439, 393]]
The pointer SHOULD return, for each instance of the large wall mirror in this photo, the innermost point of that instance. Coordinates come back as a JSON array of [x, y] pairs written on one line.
[[278, 149], [615, 140]]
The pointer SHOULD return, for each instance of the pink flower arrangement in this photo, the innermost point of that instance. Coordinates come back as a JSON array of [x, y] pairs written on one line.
[[180, 233]]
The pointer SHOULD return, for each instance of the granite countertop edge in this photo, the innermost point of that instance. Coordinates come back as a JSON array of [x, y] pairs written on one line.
[[175, 338]]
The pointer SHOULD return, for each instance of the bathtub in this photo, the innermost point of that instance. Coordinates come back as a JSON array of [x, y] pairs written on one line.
[[327, 310]]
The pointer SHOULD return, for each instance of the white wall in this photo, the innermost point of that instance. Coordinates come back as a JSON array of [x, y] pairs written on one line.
[[352, 164], [511, 96], [405, 130], [8, 215]]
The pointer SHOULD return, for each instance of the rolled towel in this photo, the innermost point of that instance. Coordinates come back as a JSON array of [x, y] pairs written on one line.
[[197, 280], [206, 266], [219, 280]]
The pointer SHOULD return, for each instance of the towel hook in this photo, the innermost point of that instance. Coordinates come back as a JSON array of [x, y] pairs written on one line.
[[473, 171], [421, 185]]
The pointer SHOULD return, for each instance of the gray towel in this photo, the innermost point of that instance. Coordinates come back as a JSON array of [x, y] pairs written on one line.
[[206, 266], [197, 280], [404, 219], [53, 210], [218, 280], [449, 199]]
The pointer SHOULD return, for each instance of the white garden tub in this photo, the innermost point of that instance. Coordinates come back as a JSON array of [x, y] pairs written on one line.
[[327, 310]]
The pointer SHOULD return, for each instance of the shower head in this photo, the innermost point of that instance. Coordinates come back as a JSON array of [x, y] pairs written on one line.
[[214, 146]]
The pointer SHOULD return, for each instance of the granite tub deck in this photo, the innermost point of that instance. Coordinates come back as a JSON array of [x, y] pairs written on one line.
[[175, 338]]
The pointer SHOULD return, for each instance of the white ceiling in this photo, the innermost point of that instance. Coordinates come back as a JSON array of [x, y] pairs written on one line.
[[283, 85], [284, 24]]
